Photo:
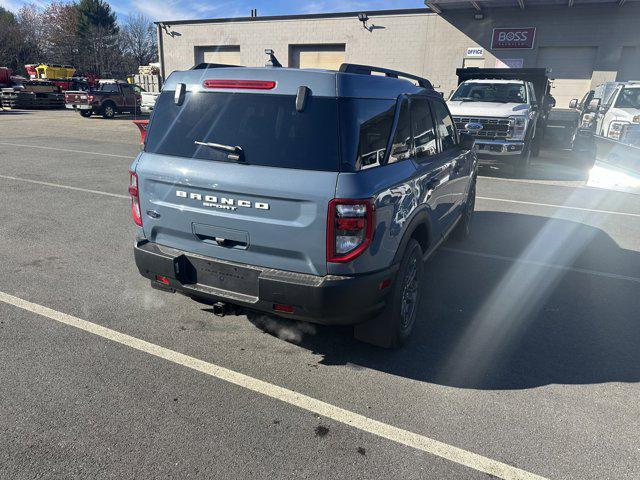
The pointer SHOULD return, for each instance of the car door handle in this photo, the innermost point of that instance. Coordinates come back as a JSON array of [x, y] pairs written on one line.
[[432, 184], [459, 165]]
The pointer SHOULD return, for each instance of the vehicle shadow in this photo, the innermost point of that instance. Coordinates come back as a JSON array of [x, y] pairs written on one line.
[[122, 117], [490, 323], [12, 112]]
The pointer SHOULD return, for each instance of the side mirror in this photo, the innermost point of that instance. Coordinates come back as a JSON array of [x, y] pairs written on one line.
[[594, 104], [573, 103], [466, 141]]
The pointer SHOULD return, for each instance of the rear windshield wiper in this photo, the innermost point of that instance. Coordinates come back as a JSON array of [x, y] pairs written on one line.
[[233, 153]]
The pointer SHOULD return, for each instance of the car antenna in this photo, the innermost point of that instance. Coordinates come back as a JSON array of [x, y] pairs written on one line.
[[273, 61]]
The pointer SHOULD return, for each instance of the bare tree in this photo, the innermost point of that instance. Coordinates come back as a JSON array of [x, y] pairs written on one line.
[[17, 46], [59, 24], [139, 39]]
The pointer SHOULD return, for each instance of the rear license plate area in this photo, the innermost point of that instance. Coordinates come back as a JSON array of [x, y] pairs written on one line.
[[226, 276]]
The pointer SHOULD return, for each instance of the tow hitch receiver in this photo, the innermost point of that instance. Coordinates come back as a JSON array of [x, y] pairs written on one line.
[[220, 309]]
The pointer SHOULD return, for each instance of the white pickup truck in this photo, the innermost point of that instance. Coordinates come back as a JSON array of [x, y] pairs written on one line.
[[618, 110], [504, 110], [148, 101]]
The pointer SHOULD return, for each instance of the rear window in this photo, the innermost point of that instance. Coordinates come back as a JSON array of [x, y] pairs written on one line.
[[267, 127]]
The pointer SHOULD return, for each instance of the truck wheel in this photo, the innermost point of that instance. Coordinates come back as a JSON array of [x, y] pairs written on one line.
[[522, 162], [393, 326], [109, 111], [463, 229], [535, 146], [85, 113]]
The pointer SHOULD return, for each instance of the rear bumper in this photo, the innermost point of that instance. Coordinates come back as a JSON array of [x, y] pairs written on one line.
[[329, 300], [146, 108], [78, 107]]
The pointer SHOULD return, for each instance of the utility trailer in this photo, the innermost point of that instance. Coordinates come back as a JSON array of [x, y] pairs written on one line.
[[32, 94]]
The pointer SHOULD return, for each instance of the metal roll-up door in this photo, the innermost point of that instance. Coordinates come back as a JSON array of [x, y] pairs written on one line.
[[328, 57], [227, 55], [571, 71], [629, 69]]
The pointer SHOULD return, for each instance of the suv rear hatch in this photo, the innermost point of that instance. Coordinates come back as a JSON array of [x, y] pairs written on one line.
[[264, 203]]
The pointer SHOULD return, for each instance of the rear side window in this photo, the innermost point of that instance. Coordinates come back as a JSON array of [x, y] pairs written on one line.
[[268, 129], [109, 87], [401, 146], [423, 131], [365, 126], [444, 125]]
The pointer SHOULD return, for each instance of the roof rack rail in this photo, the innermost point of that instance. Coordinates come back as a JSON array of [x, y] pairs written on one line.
[[368, 70], [203, 66]]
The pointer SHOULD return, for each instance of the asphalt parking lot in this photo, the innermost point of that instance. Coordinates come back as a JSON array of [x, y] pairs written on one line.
[[525, 362]]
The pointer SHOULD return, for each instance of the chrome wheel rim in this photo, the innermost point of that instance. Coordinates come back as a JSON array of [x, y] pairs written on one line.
[[410, 292]]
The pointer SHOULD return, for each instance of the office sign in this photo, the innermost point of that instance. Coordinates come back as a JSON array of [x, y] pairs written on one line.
[[513, 37], [475, 52]]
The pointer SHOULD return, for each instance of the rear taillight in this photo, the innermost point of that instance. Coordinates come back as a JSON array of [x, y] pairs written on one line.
[[135, 198], [349, 229], [240, 84], [90, 98]]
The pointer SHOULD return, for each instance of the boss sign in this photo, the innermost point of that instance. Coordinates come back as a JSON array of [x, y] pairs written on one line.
[[513, 37]]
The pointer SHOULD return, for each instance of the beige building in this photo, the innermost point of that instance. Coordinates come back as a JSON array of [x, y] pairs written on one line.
[[583, 42]]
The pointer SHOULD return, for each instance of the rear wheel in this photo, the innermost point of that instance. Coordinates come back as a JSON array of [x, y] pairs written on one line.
[[109, 110], [394, 325], [85, 113]]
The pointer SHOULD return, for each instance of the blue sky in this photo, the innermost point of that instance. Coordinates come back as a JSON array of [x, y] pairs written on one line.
[[189, 9]]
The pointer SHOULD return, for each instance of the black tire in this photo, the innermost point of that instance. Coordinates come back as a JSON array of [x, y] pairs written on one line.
[[463, 229], [85, 113], [108, 110], [535, 145], [394, 325], [522, 162]]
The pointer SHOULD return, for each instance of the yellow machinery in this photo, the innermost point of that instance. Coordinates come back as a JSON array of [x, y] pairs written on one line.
[[55, 71]]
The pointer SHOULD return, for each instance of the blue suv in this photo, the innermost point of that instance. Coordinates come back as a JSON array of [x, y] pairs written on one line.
[[305, 194]]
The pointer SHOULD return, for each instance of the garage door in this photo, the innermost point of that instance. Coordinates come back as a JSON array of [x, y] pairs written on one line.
[[328, 57], [473, 62], [227, 55], [571, 69], [629, 65]]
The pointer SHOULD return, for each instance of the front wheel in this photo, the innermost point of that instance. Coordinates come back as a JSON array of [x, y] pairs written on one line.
[[522, 162], [536, 142], [394, 325], [85, 113]]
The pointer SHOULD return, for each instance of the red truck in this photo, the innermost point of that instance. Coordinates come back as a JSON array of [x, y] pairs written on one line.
[[110, 98]]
